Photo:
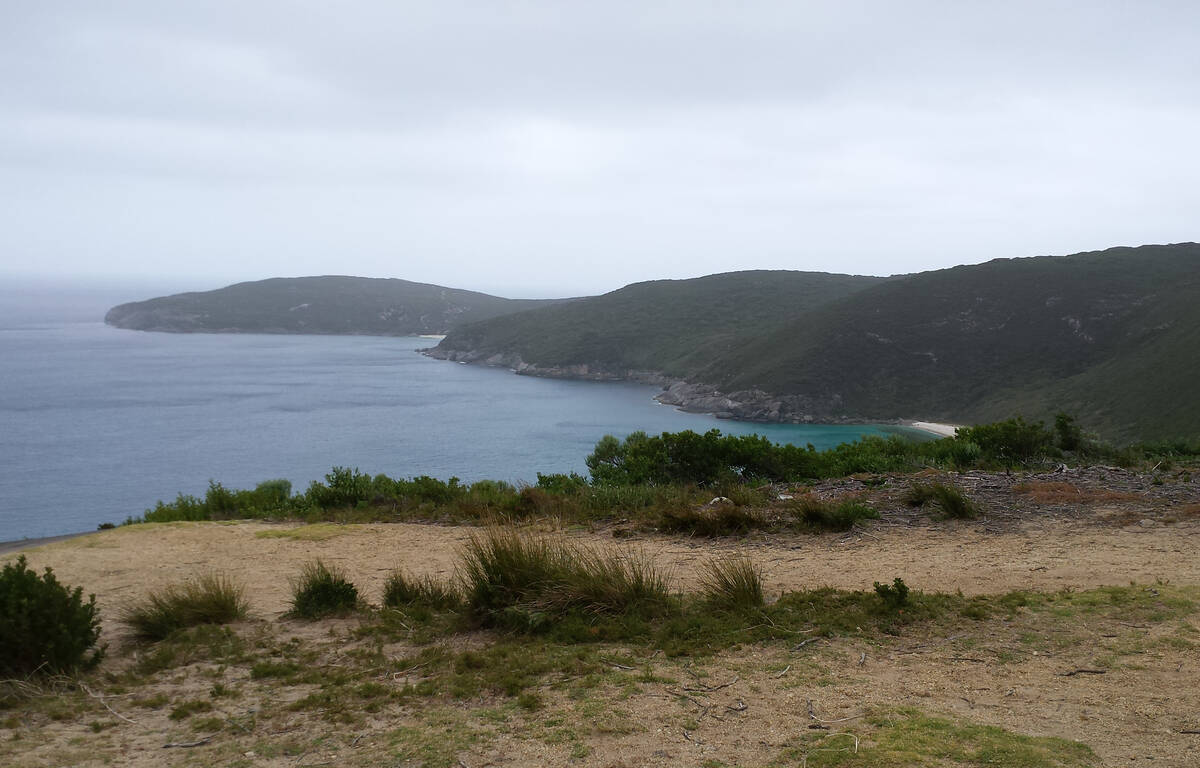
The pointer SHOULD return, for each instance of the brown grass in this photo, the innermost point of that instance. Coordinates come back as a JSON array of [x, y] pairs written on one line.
[[1045, 492]]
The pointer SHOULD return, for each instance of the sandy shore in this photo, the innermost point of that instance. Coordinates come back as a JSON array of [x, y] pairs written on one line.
[[941, 430]]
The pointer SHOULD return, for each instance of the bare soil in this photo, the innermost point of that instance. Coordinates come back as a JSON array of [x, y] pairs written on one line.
[[1017, 674]]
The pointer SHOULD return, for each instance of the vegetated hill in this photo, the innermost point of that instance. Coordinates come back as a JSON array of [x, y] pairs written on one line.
[[323, 305], [674, 327], [1112, 336]]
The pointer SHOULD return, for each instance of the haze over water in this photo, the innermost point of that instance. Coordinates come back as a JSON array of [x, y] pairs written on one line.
[[96, 423]]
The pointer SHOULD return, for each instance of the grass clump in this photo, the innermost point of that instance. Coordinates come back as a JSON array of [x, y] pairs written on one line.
[[726, 519], [947, 498], [732, 583], [321, 591], [405, 590], [208, 599], [816, 514], [506, 571], [45, 625]]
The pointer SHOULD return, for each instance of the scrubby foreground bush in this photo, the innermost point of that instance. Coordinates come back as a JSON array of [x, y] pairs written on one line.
[[514, 577], [321, 591], [732, 583], [44, 625], [207, 599]]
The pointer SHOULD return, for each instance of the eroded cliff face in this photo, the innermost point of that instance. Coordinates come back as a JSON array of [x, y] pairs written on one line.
[[743, 405]]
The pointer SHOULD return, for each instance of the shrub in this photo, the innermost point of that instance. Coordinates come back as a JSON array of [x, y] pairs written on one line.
[[721, 520], [505, 570], [829, 516], [948, 498], [45, 625], [208, 599], [403, 589], [732, 583], [1011, 441], [894, 596], [321, 591]]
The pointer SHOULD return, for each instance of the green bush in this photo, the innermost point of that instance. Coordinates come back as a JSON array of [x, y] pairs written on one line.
[[948, 498], [322, 591], [404, 590], [894, 596], [519, 578], [732, 583], [45, 626], [208, 599], [821, 515], [1014, 441], [722, 520]]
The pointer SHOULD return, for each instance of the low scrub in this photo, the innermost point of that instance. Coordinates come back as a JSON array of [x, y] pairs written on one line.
[[515, 577], [404, 590], [948, 499], [208, 599], [817, 514], [1050, 492], [732, 583], [321, 591], [723, 519], [45, 626]]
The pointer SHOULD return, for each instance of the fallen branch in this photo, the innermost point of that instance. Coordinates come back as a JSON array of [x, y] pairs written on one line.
[[803, 643], [187, 744], [612, 663], [782, 673], [100, 699], [1083, 671], [711, 688]]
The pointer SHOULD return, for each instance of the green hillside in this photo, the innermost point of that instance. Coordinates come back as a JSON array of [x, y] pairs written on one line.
[[676, 327], [1111, 336], [322, 305]]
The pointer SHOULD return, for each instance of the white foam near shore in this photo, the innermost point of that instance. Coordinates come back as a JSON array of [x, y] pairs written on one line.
[[941, 430]]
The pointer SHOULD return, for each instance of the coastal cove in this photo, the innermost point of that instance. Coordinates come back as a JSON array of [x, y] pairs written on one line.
[[99, 423]]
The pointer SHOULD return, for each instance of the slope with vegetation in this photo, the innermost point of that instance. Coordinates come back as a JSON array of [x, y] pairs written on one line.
[[673, 327], [319, 305], [1109, 335]]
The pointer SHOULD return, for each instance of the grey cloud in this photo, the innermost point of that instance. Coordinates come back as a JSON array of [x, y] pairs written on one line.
[[541, 148]]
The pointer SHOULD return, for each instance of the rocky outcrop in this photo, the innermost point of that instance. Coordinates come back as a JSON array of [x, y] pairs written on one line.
[[754, 405], [744, 405]]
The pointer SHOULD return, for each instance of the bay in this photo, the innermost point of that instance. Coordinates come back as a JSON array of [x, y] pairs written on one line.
[[96, 423]]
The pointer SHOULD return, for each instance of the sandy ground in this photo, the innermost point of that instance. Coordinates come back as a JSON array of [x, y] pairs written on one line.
[[121, 565]]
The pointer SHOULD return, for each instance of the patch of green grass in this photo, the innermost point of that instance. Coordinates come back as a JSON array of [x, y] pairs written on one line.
[[732, 583], [818, 515], [723, 519], [517, 578], [909, 738], [322, 591], [186, 709], [314, 532], [403, 590], [947, 498], [208, 599], [206, 642]]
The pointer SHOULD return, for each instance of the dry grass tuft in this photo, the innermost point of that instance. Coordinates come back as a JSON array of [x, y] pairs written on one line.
[[1046, 492]]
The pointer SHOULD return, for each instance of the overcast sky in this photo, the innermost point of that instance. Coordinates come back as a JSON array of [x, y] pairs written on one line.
[[552, 148]]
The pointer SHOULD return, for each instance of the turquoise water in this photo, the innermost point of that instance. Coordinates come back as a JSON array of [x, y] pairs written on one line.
[[96, 423]]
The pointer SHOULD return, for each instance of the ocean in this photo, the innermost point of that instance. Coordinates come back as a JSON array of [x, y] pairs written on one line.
[[97, 424]]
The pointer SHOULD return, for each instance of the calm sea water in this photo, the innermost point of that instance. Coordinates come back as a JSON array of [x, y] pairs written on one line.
[[96, 423]]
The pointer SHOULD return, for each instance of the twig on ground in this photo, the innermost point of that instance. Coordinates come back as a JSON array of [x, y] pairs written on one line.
[[612, 663], [803, 643], [710, 688], [688, 736], [100, 699], [780, 674], [1083, 671], [188, 744]]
